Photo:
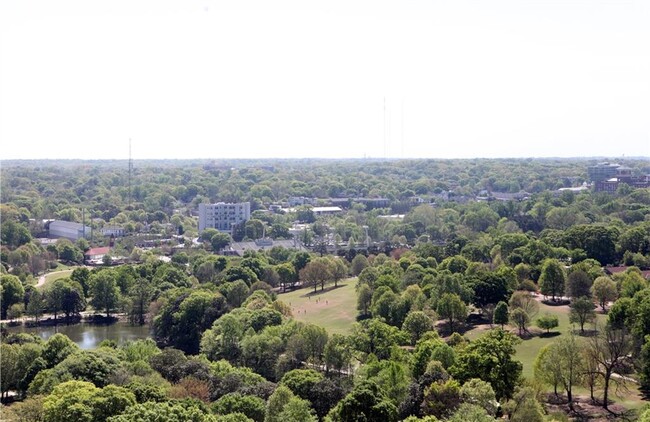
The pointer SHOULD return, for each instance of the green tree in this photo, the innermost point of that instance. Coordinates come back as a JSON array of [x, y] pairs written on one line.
[[337, 354], [644, 360], [570, 351], [287, 274], [582, 311], [452, 308], [297, 410], [547, 367], [251, 406], [490, 358], [480, 393], [9, 376], [140, 295], [12, 292], [220, 240], [82, 401], [604, 291], [57, 348], [470, 412], [599, 242], [14, 234], [276, 403], [520, 319], [68, 252], [301, 381], [237, 293], [62, 295], [416, 324], [338, 269], [82, 276], [366, 401], [578, 284], [364, 299], [359, 263], [185, 316], [501, 316], [548, 322], [165, 412], [441, 399], [36, 305], [261, 352], [316, 273], [372, 336], [105, 293], [524, 407], [552, 279]]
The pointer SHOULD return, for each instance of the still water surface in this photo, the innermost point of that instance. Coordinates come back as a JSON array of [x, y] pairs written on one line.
[[88, 336]]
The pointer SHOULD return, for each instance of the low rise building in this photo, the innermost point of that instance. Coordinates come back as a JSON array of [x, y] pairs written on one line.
[[114, 231], [96, 255], [68, 230]]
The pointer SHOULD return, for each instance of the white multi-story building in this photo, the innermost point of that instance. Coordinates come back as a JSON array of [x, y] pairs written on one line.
[[222, 216]]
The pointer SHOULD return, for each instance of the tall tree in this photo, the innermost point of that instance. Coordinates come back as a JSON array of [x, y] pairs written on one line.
[[364, 299], [316, 273], [520, 319], [416, 324], [452, 308], [552, 278], [106, 294], [366, 401], [501, 314], [578, 284], [490, 358], [569, 354], [12, 292], [547, 367], [582, 311], [604, 291], [140, 296], [609, 350], [36, 305]]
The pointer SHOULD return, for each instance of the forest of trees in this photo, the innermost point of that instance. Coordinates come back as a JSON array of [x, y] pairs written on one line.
[[225, 345]]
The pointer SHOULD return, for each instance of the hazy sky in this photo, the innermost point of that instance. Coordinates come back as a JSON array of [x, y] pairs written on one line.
[[269, 78]]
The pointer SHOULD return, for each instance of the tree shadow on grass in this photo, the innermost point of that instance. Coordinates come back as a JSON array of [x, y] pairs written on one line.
[[556, 302], [585, 333], [549, 335], [320, 292]]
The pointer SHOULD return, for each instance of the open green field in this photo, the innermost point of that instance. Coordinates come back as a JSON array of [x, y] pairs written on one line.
[[55, 276], [334, 309], [528, 348]]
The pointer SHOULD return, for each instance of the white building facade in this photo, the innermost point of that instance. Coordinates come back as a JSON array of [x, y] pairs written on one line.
[[113, 231], [223, 216], [68, 230]]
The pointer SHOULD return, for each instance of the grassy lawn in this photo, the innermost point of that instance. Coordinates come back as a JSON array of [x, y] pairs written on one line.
[[55, 276], [334, 309], [528, 348]]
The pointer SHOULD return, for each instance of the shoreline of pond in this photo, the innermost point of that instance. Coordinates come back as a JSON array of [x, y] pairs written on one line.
[[87, 333]]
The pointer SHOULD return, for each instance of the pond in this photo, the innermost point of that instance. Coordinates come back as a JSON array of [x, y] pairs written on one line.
[[88, 336]]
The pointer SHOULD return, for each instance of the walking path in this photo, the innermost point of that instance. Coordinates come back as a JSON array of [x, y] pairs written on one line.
[[41, 279]]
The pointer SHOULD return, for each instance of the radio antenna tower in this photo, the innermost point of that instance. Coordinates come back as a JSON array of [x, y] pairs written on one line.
[[385, 145], [130, 171]]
